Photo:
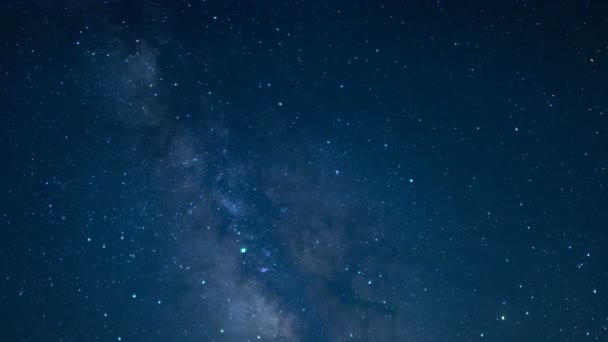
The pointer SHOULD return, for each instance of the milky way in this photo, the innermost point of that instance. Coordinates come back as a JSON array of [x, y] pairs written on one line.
[[303, 171]]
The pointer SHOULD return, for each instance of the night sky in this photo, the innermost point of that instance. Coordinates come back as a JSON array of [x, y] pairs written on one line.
[[303, 170]]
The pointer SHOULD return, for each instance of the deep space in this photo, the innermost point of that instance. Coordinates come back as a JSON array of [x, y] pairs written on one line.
[[303, 170]]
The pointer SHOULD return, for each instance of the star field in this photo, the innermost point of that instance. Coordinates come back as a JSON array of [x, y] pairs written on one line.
[[303, 171]]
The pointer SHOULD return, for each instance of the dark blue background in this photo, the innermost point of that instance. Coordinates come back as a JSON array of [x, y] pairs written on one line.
[[406, 171]]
